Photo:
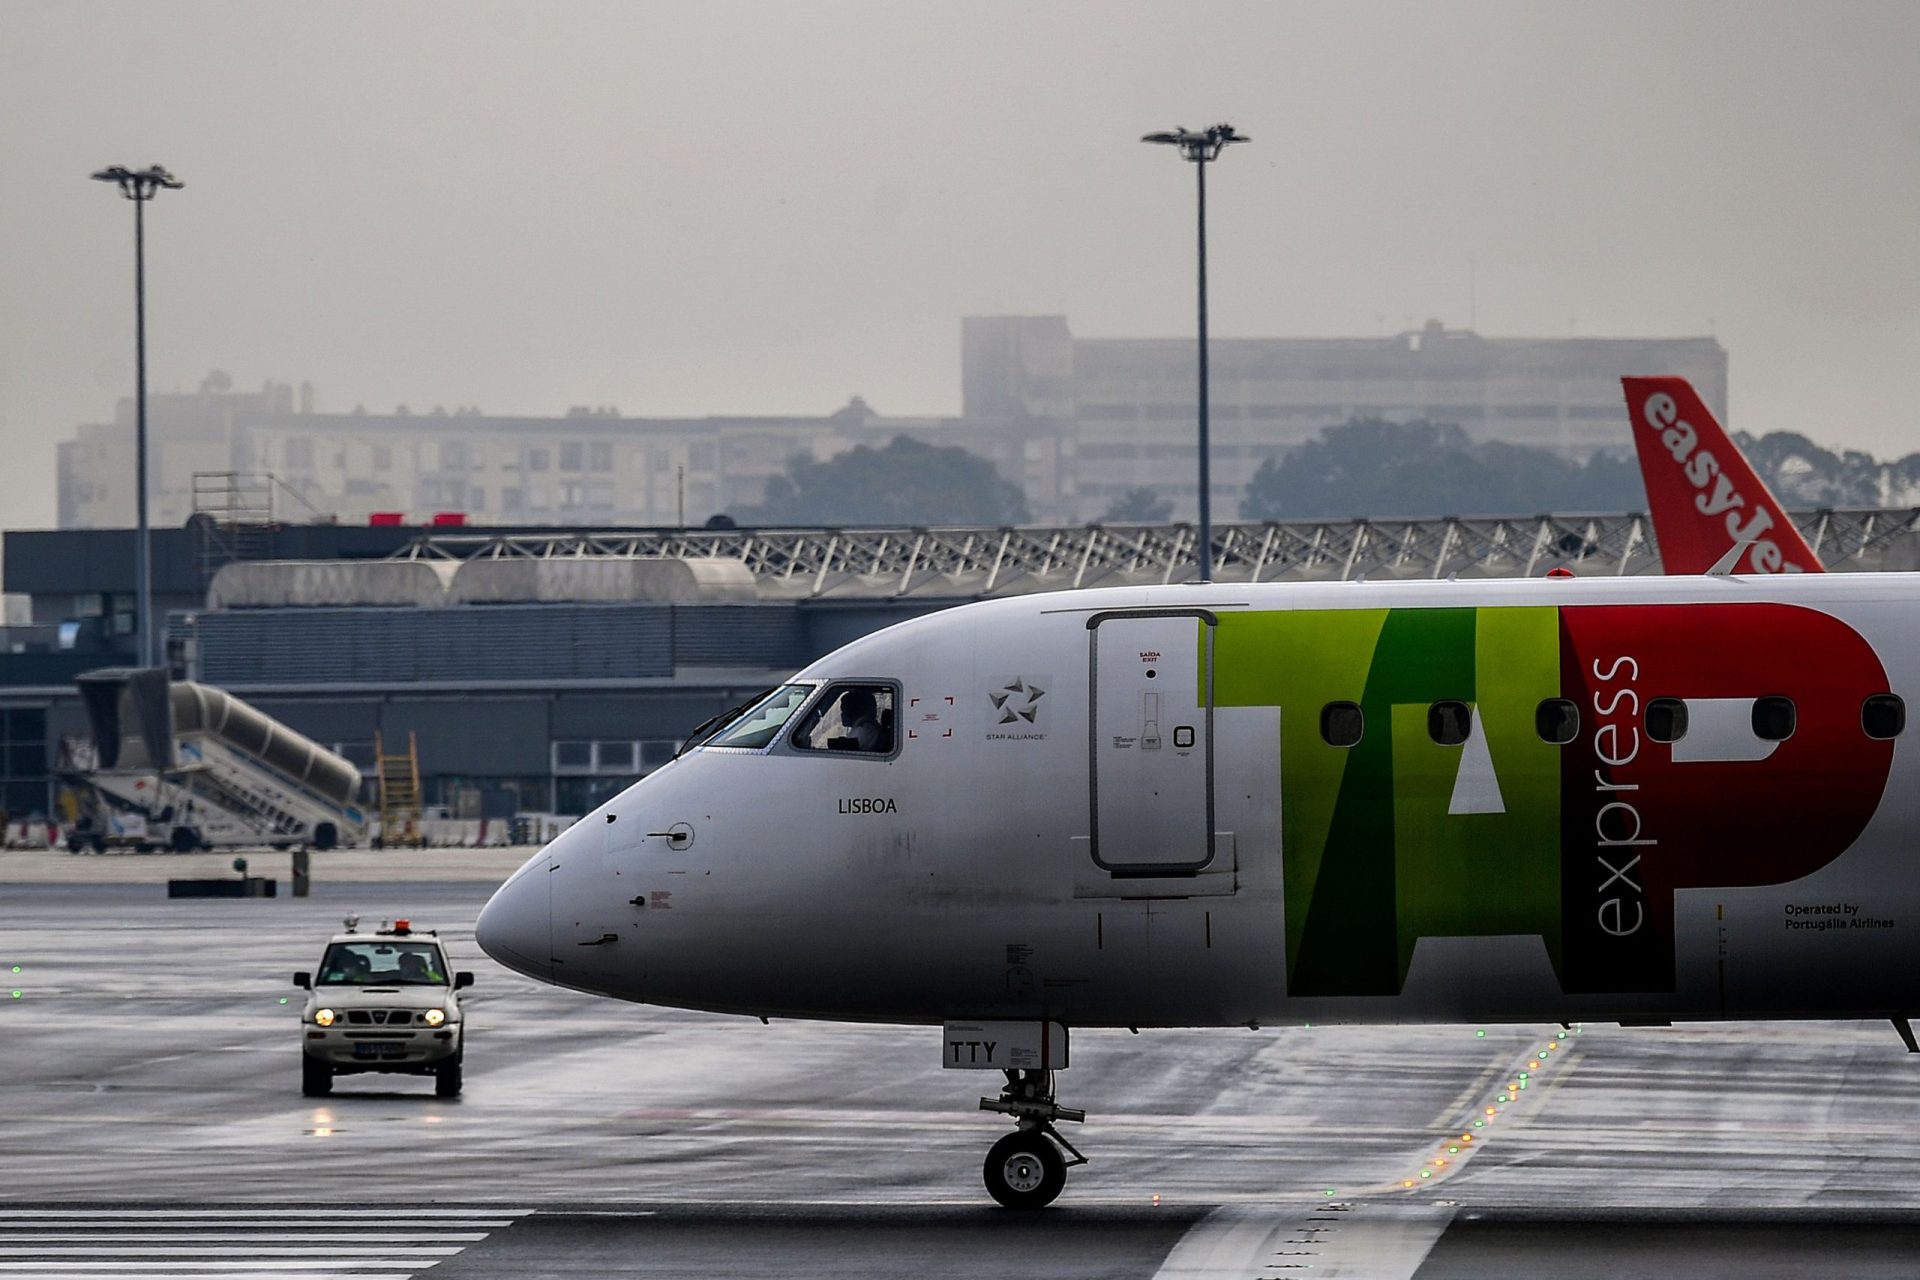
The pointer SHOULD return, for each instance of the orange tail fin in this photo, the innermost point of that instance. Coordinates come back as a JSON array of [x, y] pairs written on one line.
[[1702, 493]]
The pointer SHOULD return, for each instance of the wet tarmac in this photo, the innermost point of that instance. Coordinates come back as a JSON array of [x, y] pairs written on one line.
[[153, 1125]]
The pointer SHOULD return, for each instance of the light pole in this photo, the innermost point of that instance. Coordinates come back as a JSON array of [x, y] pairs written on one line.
[[141, 187], [1201, 148]]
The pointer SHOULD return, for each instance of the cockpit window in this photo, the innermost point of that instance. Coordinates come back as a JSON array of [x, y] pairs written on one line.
[[852, 717], [762, 722]]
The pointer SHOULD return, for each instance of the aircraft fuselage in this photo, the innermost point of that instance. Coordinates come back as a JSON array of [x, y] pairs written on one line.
[[1231, 804]]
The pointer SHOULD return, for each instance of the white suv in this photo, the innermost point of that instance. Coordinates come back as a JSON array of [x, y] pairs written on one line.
[[382, 1001]]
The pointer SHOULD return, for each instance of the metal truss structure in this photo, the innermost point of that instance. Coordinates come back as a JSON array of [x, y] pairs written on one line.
[[947, 563]]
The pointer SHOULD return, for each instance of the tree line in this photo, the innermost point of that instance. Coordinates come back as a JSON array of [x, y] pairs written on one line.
[[1367, 467]]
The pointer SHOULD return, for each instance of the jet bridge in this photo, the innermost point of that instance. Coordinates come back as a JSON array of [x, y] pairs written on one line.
[[204, 769]]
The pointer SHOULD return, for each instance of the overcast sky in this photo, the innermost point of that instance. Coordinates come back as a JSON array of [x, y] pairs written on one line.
[[701, 208]]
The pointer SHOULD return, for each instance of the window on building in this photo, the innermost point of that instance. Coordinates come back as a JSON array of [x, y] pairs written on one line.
[[1448, 722], [600, 455], [1557, 720], [455, 456], [700, 457], [613, 757], [1342, 724], [513, 501], [537, 459], [571, 454], [573, 757], [1666, 719], [1883, 716], [382, 457], [1773, 719]]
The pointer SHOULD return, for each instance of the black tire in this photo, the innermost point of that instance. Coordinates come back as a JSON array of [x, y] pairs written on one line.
[[1024, 1170], [99, 844], [316, 1078], [446, 1079], [184, 840], [75, 844], [326, 836]]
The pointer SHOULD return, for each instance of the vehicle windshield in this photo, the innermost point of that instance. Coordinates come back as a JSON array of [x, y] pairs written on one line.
[[759, 724], [381, 962]]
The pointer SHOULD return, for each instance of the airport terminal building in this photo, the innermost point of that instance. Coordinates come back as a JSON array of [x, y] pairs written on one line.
[[1077, 422], [541, 670]]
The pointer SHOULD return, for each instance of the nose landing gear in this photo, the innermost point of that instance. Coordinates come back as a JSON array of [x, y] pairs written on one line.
[[1025, 1169]]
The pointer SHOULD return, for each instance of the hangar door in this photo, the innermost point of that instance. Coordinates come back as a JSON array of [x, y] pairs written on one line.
[[1152, 748]]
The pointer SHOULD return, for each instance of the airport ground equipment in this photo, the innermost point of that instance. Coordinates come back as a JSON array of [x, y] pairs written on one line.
[[382, 1001], [399, 775], [201, 769]]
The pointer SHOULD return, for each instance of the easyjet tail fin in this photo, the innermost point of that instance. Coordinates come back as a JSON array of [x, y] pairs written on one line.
[[1702, 493]]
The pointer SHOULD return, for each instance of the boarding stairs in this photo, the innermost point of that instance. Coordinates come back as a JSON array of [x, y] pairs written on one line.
[[399, 775]]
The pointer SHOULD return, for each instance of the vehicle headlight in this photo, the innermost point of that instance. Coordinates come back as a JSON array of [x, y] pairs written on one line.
[[434, 1017], [323, 1017]]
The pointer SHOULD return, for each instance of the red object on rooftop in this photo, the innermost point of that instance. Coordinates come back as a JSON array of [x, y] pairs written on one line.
[[378, 518], [1560, 571], [442, 519]]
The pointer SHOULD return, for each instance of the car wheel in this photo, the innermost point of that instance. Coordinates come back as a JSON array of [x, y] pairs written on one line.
[[316, 1078], [446, 1079]]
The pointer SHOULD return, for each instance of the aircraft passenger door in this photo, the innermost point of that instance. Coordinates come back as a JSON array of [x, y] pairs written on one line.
[[1152, 748]]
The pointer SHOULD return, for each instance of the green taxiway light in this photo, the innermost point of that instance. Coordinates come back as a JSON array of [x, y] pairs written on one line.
[[1329, 1190], [18, 994], [283, 999], [1479, 1124], [1481, 1034], [1426, 1173], [16, 968]]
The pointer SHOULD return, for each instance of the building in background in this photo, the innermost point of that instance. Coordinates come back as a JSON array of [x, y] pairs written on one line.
[[1076, 422], [1090, 419], [588, 466]]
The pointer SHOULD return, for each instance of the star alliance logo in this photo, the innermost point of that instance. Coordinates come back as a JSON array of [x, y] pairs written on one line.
[[1016, 707]]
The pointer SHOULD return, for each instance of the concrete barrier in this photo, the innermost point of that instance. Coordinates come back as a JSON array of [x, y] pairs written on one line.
[[228, 887]]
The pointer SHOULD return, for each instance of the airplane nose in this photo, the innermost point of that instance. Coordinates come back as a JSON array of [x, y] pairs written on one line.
[[516, 925]]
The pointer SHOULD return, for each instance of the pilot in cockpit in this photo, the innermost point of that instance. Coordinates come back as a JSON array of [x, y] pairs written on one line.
[[860, 723]]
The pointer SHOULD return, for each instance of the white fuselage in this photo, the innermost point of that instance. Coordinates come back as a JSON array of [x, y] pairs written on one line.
[[1120, 854]]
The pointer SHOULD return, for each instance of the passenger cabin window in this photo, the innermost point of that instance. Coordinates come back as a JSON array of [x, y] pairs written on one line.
[[852, 717], [1557, 720], [1773, 719], [1883, 716], [1342, 723], [761, 723], [1666, 719], [1447, 723]]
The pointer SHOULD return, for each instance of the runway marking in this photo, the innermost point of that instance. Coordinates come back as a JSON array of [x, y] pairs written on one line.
[[1359, 1241], [233, 1242], [230, 1212], [161, 1235], [411, 1251]]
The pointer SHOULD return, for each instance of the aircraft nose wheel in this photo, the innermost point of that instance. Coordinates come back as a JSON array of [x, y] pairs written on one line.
[[1024, 1170]]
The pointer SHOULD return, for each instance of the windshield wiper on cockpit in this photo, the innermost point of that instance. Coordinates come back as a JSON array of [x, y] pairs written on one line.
[[712, 727]]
